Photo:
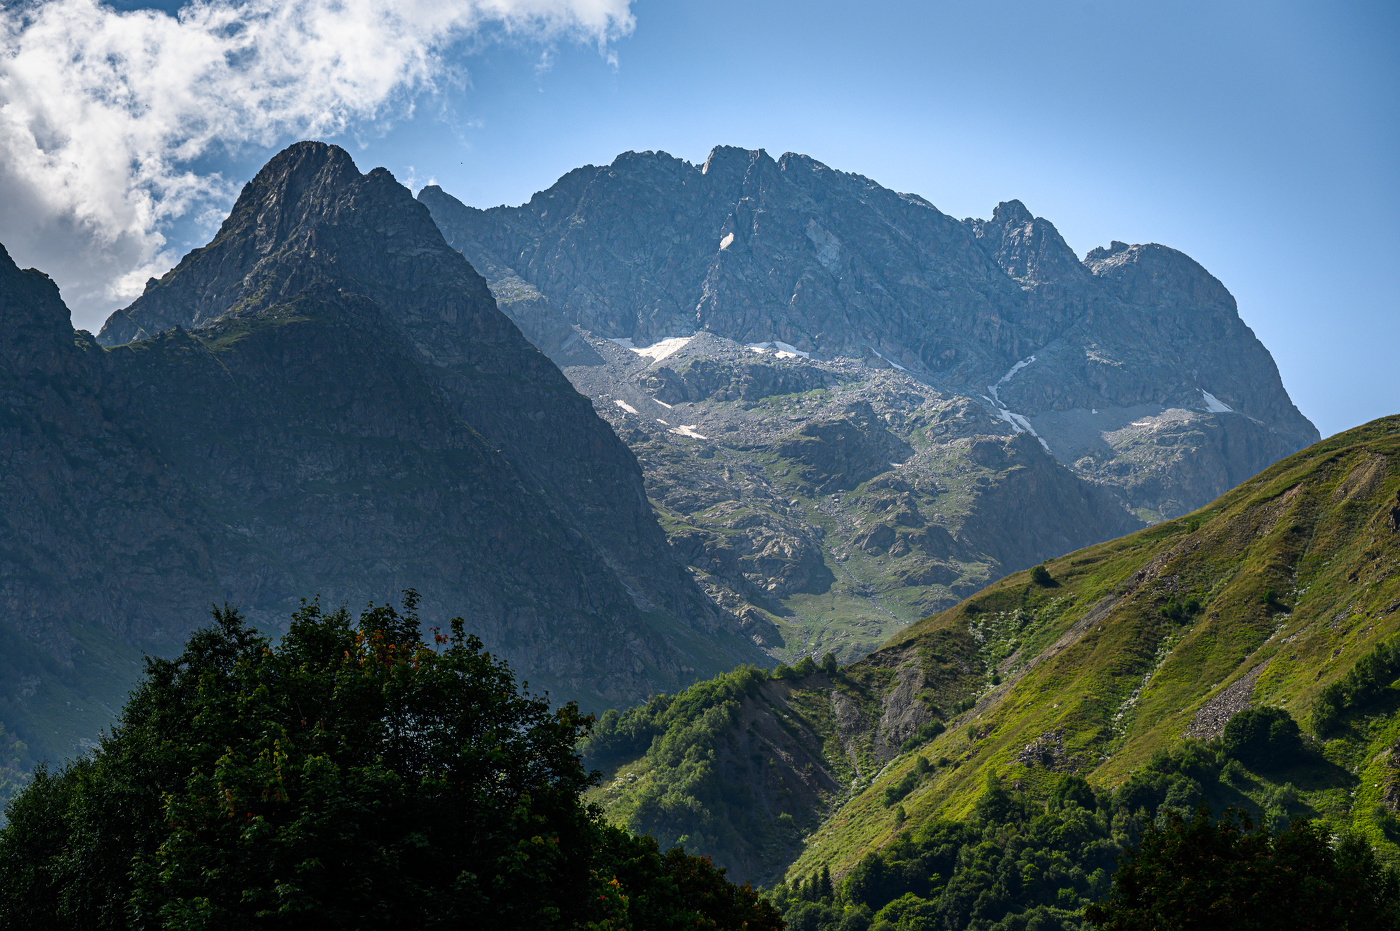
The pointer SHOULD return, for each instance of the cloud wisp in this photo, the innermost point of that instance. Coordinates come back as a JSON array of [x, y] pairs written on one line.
[[109, 120]]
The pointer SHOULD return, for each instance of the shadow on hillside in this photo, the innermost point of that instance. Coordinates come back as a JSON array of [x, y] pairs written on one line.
[[1312, 773]]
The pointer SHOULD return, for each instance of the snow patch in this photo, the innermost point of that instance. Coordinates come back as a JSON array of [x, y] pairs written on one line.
[[890, 361], [658, 350], [625, 406], [780, 349], [994, 389], [1018, 422], [659, 420], [688, 430], [663, 404], [1214, 405], [726, 242]]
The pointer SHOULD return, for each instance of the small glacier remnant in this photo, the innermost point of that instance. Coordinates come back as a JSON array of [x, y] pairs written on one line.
[[625, 406], [1214, 405], [726, 242]]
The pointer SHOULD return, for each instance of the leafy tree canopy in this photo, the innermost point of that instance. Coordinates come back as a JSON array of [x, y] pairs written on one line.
[[1263, 738], [350, 776], [1211, 874]]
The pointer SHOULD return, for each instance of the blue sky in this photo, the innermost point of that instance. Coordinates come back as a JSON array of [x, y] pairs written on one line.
[[1261, 139]]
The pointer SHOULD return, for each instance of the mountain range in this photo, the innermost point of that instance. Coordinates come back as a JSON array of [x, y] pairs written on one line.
[[685, 418], [853, 410]]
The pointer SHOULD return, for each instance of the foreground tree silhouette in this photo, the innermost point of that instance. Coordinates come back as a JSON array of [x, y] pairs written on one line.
[[350, 776], [1220, 875]]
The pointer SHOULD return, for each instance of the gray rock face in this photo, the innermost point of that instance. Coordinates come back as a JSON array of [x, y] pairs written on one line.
[[931, 402], [325, 399], [757, 250]]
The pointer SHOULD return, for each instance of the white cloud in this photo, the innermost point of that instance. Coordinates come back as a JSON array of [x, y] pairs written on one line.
[[108, 118]]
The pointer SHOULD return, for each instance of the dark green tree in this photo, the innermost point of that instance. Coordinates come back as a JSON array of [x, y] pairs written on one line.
[[1209, 874], [1263, 738], [350, 776]]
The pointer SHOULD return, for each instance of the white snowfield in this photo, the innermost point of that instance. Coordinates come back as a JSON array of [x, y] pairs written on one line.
[[1214, 405], [663, 404], [688, 430], [658, 350], [727, 241], [1018, 422], [780, 349], [625, 406]]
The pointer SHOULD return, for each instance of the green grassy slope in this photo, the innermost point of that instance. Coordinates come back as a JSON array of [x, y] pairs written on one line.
[[1265, 597]]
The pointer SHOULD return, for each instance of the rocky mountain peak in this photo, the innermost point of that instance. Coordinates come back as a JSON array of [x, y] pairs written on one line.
[[310, 222], [1026, 247], [289, 190], [35, 325], [1011, 212], [726, 159], [1159, 275], [1101, 252]]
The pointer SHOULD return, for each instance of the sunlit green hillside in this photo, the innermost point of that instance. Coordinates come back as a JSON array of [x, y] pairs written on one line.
[[1266, 597]]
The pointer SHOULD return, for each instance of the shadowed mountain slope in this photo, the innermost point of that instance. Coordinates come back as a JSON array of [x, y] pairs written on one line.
[[324, 399]]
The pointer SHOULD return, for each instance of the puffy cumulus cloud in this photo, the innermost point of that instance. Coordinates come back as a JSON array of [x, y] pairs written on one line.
[[109, 120]]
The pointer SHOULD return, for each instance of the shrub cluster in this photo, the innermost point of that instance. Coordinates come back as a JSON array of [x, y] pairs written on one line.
[[1013, 865], [1203, 874], [900, 790], [1177, 609], [1020, 866], [1263, 738], [926, 732], [1360, 687]]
